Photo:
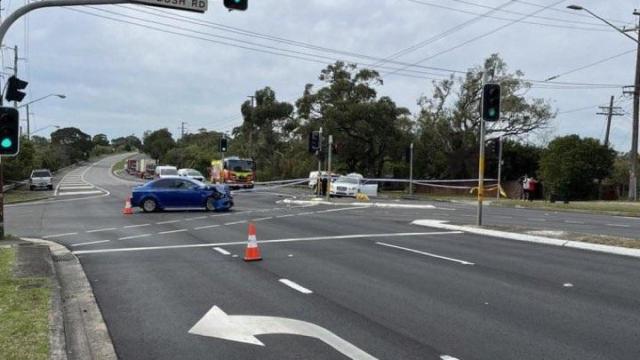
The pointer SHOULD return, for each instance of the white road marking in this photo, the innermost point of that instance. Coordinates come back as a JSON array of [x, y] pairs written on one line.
[[80, 193], [90, 243], [315, 238], [77, 187], [284, 216], [304, 213], [221, 251], [59, 235], [629, 217], [167, 222], [574, 222], [227, 214], [244, 328], [136, 226], [619, 225], [262, 219], [447, 357], [195, 218], [567, 285], [172, 231], [236, 222], [206, 227], [426, 253], [295, 286], [134, 237], [100, 230], [467, 215], [537, 219], [343, 209]]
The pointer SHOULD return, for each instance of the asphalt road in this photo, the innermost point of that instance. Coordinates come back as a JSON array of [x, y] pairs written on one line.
[[366, 276]]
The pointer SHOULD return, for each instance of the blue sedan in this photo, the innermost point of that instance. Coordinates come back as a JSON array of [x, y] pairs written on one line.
[[183, 193]]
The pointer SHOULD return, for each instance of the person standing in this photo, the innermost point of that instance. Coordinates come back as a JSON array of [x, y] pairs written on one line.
[[525, 187]]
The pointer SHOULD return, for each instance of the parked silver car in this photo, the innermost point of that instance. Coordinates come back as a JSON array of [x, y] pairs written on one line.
[[41, 179]]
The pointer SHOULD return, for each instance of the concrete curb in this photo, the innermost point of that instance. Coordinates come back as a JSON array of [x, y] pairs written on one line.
[[85, 333], [363, 204], [439, 224]]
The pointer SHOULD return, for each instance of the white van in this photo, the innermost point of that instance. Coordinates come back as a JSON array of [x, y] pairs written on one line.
[[164, 171]]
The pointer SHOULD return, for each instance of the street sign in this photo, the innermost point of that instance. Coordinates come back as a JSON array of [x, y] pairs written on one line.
[[190, 5]]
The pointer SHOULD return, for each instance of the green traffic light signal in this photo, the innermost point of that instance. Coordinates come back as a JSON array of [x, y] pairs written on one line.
[[9, 131], [6, 143]]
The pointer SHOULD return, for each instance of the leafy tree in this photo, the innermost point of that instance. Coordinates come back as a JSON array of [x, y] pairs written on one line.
[[449, 120], [19, 167], [367, 130], [572, 167], [100, 140], [72, 143], [158, 143]]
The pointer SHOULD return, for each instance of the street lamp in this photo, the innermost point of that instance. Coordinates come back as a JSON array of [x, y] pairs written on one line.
[[633, 156], [61, 96]]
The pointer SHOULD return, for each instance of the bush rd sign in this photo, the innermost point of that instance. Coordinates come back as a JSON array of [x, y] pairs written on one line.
[[189, 5]]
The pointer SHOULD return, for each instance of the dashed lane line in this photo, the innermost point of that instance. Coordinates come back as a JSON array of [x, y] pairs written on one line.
[[619, 225], [207, 227], [221, 251], [236, 222], [426, 253], [574, 222], [295, 286], [90, 243], [100, 230], [135, 237], [136, 226], [168, 222], [195, 218], [262, 219], [172, 231], [285, 216]]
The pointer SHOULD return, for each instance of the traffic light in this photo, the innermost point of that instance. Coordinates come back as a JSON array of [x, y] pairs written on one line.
[[14, 85], [314, 141], [491, 102], [236, 4], [223, 145], [9, 131]]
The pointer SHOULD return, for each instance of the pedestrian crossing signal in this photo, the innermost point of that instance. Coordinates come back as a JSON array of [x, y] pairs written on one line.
[[241, 5]]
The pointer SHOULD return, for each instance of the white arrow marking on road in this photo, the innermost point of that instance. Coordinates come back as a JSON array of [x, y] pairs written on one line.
[[244, 328]]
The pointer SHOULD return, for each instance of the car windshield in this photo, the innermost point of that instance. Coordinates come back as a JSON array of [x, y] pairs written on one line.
[[241, 165], [169, 172], [194, 173], [41, 174], [348, 180]]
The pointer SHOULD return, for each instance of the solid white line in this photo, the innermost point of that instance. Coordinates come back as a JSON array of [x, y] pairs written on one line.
[[58, 235], [172, 231], [295, 286], [167, 222], [195, 218], [343, 209], [79, 193], [206, 227], [619, 225], [262, 219], [134, 237], [236, 222], [304, 213], [90, 243], [316, 238], [100, 230], [426, 253], [221, 251], [136, 226], [284, 216], [76, 187]]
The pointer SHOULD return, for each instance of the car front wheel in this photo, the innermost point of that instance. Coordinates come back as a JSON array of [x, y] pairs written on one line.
[[211, 204], [149, 205]]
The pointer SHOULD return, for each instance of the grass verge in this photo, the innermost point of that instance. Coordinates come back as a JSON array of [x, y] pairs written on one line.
[[622, 208], [24, 313], [18, 196]]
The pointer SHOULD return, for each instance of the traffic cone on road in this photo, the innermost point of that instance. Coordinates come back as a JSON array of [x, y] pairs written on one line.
[[128, 210], [252, 253]]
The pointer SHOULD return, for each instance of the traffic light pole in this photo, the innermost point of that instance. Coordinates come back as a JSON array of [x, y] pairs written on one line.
[[329, 148], [411, 170], [1, 201], [319, 177], [499, 168]]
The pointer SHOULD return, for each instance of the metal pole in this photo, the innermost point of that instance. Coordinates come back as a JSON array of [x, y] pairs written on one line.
[[28, 124], [633, 156], [411, 169], [481, 173], [499, 168], [1, 201], [329, 167], [319, 177]]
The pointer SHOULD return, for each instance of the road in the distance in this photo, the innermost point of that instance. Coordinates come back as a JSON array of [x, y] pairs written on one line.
[[392, 290]]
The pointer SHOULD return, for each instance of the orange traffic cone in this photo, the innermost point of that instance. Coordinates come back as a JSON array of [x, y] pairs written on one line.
[[128, 210], [252, 253]]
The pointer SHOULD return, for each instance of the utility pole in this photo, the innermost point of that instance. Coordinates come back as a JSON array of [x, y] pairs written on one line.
[[251, 129], [411, 169], [633, 176], [15, 68], [182, 132], [611, 111], [329, 148], [28, 123], [499, 168]]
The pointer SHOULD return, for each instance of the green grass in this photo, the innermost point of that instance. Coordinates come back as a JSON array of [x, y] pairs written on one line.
[[599, 207], [119, 165], [18, 196], [24, 313]]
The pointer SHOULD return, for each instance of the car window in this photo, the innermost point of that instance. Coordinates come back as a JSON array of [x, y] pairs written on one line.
[[163, 184], [348, 180], [169, 172], [41, 174], [184, 185]]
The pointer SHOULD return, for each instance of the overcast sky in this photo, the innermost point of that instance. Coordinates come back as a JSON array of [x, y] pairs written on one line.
[[121, 78]]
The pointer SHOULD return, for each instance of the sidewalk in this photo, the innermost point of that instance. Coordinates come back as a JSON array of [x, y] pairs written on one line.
[[76, 327]]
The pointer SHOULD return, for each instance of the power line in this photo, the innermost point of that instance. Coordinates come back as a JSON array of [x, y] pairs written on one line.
[[591, 64], [572, 12]]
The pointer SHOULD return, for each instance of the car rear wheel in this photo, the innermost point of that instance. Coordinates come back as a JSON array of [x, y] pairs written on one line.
[[149, 205], [211, 204]]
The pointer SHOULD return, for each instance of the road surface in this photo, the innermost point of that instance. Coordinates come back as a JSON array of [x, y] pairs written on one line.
[[356, 278]]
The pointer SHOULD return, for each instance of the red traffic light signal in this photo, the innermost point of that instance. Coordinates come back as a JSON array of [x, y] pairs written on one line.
[[9, 131], [14, 85], [241, 5]]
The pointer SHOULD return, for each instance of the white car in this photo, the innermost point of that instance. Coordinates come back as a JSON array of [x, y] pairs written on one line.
[[191, 174], [40, 179], [165, 171], [345, 186]]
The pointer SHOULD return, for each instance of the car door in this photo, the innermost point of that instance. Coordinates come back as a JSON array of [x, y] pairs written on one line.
[[162, 189], [187, 194]]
